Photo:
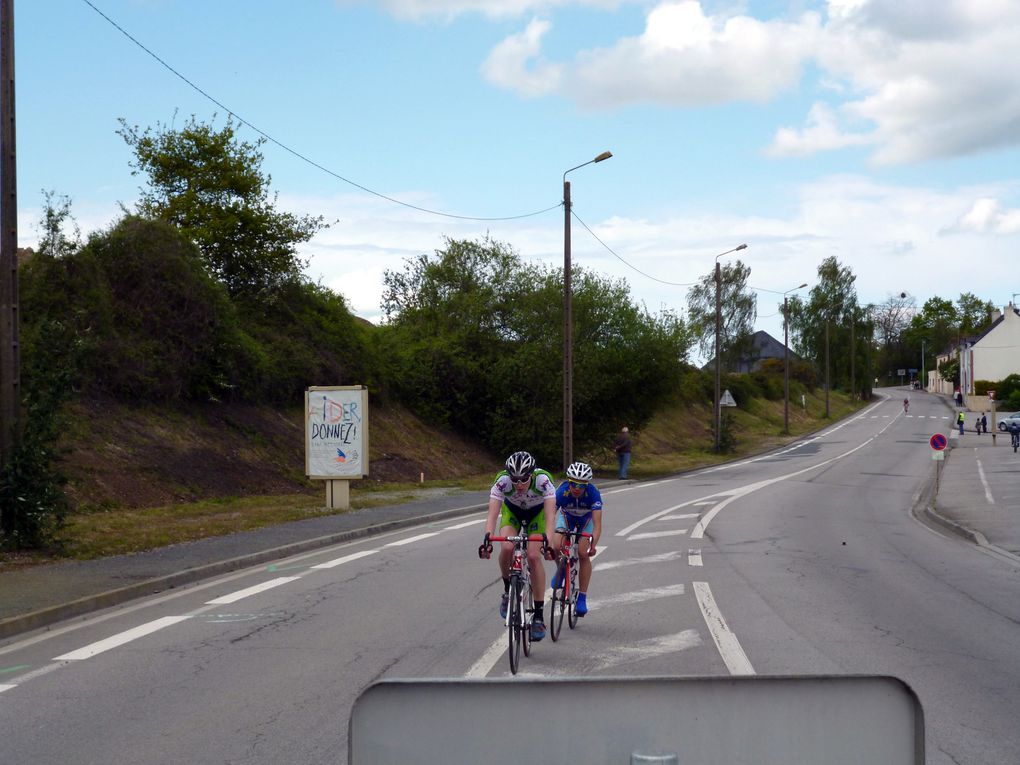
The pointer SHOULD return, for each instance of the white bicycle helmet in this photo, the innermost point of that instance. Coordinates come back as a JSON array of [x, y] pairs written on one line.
[[520, 466], [578, 471]]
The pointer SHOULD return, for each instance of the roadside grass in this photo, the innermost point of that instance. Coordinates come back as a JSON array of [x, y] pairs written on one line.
[[107, 530]]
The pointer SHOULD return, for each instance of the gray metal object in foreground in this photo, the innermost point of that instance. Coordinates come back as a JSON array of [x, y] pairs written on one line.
[[823, 720]]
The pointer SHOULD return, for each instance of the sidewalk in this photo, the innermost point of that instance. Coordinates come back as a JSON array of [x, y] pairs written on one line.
[[978, 489]]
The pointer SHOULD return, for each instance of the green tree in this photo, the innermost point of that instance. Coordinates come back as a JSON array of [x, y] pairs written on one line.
[[974, 314], [831, 309], [210, 184], [738, 311], [474, 342]]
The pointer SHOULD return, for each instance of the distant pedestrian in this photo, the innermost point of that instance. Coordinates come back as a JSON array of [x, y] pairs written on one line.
[[959, 421], [622, 448], [984, 423], [959, 398], [977, 424]]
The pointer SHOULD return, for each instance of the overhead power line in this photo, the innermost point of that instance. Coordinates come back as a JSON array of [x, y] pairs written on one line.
[[296, 153]]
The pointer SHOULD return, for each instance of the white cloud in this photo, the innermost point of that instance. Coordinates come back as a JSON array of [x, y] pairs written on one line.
[[511, 65], [821, 134], [986, 216], [683, 57], [931, 79]]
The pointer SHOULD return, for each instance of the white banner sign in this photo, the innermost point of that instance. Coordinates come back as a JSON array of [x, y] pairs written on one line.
[[336, 432]]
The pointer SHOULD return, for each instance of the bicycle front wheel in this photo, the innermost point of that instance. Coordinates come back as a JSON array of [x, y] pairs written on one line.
[[529, 615], [572, 602], [516, 618], [558, 604]]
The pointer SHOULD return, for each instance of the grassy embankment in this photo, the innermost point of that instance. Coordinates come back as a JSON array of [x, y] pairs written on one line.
[[675, 440]]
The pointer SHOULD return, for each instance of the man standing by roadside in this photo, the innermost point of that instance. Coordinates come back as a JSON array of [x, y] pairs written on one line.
[[622, 448]]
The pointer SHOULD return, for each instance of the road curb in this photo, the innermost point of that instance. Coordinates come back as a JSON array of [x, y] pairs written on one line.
[[16, 625]]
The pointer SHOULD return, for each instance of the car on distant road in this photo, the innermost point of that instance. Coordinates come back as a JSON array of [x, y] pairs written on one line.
[[1004, 422]]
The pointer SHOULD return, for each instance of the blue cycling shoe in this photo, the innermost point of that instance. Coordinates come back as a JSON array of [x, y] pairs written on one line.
[[557, 580], [582, 604], [504, 604], [537, 630]]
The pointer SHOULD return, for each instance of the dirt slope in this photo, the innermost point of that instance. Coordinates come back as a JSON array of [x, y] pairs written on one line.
[[135, 455]]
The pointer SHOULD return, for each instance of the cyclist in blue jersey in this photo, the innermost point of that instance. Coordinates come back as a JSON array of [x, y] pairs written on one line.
[[579, 506], [523, 498]]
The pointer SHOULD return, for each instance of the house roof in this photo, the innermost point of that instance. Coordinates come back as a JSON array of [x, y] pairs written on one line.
[[993, 325]]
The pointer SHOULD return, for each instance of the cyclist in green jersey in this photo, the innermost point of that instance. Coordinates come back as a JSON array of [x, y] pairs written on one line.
[[522, 497]]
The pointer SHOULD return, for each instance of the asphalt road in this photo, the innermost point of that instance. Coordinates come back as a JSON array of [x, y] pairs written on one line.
[[809, 560]]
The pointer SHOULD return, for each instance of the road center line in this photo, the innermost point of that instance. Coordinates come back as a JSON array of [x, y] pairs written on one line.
[[255, 590], [729, 647], [409, 540], [984, 482], [345, 559], [119, 640]]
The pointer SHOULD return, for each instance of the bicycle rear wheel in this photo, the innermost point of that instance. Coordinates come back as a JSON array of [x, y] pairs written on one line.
[[515, 619], [572, 601], [558, 604]]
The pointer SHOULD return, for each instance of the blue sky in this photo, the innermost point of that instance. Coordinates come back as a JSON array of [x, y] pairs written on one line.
[[883, 132]]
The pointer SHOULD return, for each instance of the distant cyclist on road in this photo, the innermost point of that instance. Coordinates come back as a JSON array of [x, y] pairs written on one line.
[[1014, 434], [579, 506], [522, 497], [906, 404]]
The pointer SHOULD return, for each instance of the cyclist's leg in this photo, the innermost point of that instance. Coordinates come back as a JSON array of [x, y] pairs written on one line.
[[508, 526], [584, 567], [535, 560], [557, 545]]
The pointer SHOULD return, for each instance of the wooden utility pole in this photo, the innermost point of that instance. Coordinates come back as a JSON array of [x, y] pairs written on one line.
[[10, 373]]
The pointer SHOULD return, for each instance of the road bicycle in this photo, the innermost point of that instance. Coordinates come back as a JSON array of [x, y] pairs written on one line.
[[520, 612], [564, 598]]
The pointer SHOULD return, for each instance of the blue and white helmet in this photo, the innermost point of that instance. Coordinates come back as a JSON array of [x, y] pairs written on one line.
[[579, 471]]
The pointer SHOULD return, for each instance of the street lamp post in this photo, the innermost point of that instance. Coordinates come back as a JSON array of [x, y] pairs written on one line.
[[786, 359], [718, 330], [568, 321]]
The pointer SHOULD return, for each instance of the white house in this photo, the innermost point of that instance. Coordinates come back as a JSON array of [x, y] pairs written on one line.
[[993, 354]]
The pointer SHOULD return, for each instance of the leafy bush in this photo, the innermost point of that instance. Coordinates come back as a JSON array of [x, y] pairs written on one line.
[[32, 502]]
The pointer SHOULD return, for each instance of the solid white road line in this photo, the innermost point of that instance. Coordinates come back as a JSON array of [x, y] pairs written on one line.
[[345, 559], [241, 594], [118, 640], [656, 534], [661, 558], [729, 647], [682, 516], [488, 660], [628, 598], [647, 649], [465, 524], [654, 516], [984, 482], [6, 687], [694, 557], [409, 540]]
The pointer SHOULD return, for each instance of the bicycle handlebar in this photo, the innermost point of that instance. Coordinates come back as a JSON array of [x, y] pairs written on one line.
[[519, 538]]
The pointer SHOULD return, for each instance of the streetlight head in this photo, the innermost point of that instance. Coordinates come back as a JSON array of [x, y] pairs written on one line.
[[741, 246], [802, 286], [602, 156]]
